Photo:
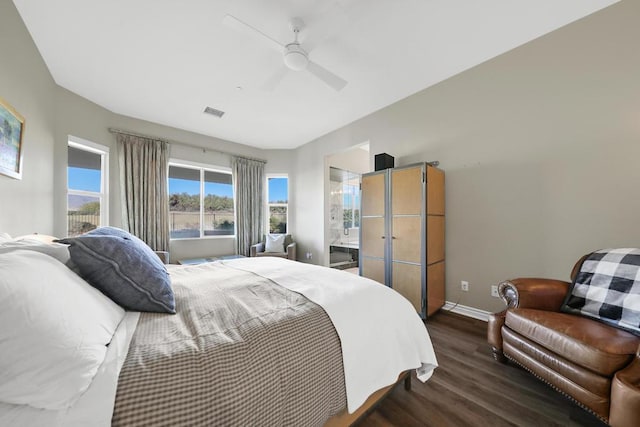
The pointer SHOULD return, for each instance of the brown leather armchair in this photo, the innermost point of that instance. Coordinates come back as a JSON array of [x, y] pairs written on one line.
[[596, 365]]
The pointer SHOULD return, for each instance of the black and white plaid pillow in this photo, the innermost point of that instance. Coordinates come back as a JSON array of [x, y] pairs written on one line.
[[607, 288]]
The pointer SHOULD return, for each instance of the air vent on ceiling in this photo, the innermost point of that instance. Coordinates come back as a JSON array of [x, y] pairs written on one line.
[[214, 112]]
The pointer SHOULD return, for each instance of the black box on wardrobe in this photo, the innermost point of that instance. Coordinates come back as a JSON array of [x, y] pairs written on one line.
[[383, 161]]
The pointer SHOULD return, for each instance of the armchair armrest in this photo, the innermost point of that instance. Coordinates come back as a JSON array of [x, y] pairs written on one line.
[[291, 251], [494, 334], [625, 395], [541, 294], [258, 247]]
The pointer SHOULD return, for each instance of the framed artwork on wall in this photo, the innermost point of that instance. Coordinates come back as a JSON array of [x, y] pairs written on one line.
[[11, 131]]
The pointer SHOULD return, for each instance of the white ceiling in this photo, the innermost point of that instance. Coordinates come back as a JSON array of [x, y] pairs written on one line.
[[164, 61]]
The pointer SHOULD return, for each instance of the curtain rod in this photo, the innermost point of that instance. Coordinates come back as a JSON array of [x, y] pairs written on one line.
[[204, 149]]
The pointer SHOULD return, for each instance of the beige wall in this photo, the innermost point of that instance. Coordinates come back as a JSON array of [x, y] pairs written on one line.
[[25, 83], [83, 119], [540, 147], [353, 159]]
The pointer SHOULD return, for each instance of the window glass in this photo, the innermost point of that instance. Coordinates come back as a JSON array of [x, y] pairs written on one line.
[[278, 190], [356, 209], [184, 202], [86, 186], [277, 219], [218, 204], [351, 204], [84, 170], [278, 198], [83, 214], [200, 202]]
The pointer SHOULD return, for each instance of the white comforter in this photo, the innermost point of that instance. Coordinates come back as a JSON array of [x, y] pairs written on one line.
[[380, 332]]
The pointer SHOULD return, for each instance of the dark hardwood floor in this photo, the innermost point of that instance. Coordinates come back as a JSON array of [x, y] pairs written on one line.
[[470, 388]]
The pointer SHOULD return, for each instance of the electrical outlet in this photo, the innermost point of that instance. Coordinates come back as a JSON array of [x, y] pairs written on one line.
[[309, 255], [464, 285], [494, 291]]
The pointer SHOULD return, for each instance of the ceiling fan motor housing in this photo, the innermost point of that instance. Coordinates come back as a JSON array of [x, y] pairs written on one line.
[[295, 57]]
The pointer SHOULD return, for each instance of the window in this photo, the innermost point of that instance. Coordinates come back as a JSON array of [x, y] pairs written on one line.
[[351, 204], [278, 203], [87, 186], [200, 202]]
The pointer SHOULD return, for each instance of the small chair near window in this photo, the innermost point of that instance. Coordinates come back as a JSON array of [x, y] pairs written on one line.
[[278, 245], [164, 256]]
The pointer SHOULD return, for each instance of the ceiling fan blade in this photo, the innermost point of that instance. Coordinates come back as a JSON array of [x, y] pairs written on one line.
[[242, 27], [332, 80], [274, 80]]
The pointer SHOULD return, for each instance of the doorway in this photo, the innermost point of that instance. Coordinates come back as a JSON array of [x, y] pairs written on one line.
[[342, 206], [344, 218]]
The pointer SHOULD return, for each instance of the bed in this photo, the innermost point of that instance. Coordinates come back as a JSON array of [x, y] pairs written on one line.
[[253, 341]]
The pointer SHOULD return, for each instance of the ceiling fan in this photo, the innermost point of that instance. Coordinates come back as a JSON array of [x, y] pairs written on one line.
[[294, 56]]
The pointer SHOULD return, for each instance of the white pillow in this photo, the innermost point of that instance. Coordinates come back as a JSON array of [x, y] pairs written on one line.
[[54, 331], [56, 250], [274, 243], [44, 238]]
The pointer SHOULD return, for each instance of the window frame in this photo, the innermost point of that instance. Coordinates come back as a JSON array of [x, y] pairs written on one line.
[[103, 195], [269, 205], [202, 167]]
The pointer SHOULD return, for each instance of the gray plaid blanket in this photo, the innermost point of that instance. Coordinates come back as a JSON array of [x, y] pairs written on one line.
[[241, 351], [607, 288]]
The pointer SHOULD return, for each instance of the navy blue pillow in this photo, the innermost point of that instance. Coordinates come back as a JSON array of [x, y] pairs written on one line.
[[115, 231], [124, 268]]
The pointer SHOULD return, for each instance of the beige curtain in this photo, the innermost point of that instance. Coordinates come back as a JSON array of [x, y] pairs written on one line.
[[143, 178], [248, 182]]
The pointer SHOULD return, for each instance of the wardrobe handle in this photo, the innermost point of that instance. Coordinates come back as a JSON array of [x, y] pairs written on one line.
[[393, 237], [382, 237]]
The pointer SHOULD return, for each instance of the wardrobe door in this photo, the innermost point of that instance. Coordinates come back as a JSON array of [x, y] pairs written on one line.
[[373, 227], [407, 234], [435, 287], [407, 281], [435, 240]]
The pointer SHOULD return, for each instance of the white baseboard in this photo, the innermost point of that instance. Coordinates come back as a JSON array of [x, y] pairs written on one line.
[[464, 310]]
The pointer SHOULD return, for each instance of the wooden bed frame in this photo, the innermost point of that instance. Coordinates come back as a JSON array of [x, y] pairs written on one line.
[[344, 418]]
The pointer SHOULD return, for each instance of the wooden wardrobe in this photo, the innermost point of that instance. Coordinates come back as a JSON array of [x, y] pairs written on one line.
[[402, 233]]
